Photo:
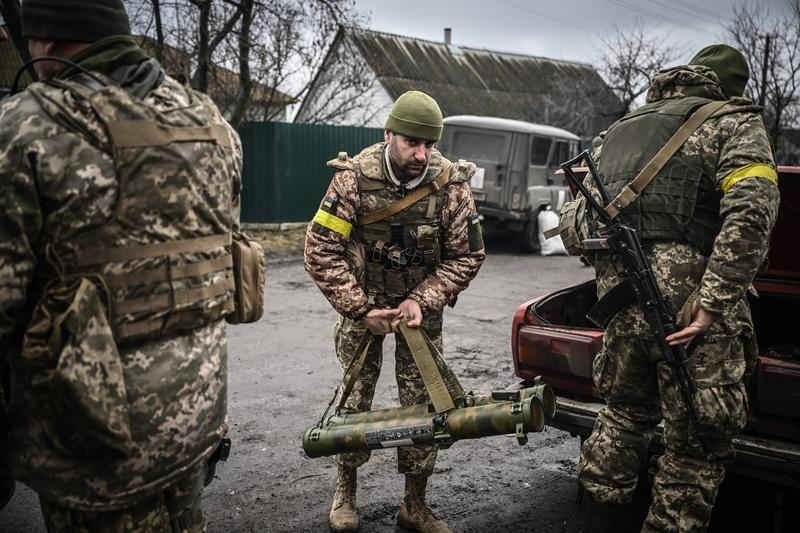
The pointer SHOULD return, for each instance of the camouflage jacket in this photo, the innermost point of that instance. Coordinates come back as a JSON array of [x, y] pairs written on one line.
[[57, 182], [327, 263], [731, 148]]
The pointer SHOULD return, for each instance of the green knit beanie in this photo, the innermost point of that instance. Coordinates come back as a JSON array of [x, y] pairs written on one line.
[[74, 20], [728, 64], [415, 114]]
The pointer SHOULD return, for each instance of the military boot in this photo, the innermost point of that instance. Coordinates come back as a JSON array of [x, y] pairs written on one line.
[[414, 514], [343, 517], [607, 518]]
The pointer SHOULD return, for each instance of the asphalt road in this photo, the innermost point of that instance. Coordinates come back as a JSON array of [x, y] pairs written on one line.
[[283, 372]]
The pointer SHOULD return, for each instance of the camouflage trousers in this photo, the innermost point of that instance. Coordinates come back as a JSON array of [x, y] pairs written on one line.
[[639, 391], [417, 460], [176, 510]]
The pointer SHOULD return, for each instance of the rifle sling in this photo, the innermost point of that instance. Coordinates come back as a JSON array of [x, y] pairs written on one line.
[[632, 190], [612, 302], [411, 199]]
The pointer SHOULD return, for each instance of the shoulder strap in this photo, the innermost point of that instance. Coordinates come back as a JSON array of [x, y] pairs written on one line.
[[414, 197], [431, 376], [632, 190]]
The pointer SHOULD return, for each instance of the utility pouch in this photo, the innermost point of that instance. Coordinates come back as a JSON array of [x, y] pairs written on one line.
[[70, 375], [572, 226], [375, 278], [249, 269], [428, 243]]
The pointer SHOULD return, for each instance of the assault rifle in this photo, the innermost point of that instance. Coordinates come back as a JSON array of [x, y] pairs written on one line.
[[638, 285]]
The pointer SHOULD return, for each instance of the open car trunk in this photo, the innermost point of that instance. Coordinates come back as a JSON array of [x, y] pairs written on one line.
[[775, 385]]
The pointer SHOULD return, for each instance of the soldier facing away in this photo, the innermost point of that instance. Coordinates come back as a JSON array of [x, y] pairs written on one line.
[[704, 223], [415, 262], [120, 190]]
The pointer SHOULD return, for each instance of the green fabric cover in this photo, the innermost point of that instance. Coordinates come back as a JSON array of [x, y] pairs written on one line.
[[681, 203], [415, 114], [74, 20], [728, 64]]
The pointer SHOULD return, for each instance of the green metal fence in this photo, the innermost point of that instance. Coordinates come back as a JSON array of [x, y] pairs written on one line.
[[284, 175]]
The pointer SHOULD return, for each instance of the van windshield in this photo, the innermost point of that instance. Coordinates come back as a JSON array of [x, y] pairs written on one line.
[[564, 152], [483, 146], [540, 150]]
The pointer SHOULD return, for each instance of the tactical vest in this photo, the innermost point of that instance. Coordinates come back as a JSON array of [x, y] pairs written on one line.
[[681, 203], [404, 249], [163, 260]]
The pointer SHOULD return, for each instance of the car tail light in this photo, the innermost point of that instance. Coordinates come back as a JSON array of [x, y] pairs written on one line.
[[557, 350]]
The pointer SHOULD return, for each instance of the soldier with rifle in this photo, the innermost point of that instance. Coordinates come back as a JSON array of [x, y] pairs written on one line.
[[396, 234], [689, 196]]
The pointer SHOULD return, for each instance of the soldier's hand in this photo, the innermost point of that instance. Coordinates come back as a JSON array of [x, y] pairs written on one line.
[[412, 310], [701, 321], [382, 321]]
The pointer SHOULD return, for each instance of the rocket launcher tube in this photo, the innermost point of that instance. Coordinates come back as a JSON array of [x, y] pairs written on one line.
[[543, 392], [407, 426]]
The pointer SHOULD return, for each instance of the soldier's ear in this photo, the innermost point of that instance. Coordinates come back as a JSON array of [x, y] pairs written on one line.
[[387, 136]]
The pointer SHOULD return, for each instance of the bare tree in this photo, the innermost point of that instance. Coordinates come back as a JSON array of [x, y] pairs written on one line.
[[253, 57], [771, 43], [629, 58], [344, 89]]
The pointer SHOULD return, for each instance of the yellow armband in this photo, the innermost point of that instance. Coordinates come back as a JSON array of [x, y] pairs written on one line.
[[758, 170], [333, 223]]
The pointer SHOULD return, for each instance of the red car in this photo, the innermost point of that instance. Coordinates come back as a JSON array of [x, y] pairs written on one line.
[[551, 337]]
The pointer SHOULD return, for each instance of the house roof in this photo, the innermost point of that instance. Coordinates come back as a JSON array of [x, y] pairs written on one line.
[[221, 80], [476, 81], [507, 124]]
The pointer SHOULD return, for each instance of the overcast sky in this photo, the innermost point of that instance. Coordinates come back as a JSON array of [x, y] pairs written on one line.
[[560, 29]]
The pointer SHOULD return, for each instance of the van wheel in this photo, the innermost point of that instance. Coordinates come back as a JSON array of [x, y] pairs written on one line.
[[528, 238]]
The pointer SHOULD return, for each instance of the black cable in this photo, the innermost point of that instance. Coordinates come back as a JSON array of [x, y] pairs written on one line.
[[15, 86]]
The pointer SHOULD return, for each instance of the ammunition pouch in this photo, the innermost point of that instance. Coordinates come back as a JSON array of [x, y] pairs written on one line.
[[394, 270], [249, 269]]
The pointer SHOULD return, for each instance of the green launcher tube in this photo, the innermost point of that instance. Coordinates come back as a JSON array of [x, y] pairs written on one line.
[[407, 426]]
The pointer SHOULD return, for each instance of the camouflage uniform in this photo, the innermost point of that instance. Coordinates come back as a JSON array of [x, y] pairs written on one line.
[[326, 261], [118, 394], [733, 152]]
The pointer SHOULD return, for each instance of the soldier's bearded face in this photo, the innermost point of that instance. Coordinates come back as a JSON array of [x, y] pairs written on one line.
[[409, 155]]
